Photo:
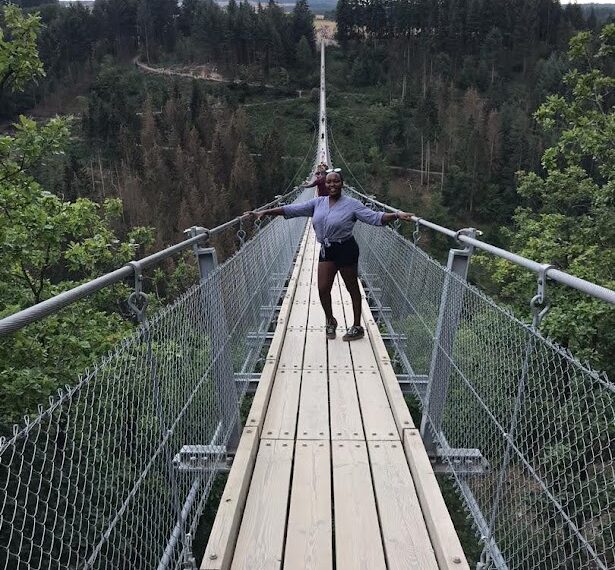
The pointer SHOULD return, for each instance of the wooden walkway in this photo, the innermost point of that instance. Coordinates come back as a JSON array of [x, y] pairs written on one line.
[[330, 471]]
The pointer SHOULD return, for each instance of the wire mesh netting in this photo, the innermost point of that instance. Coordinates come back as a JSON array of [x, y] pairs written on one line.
[[541, 422], [116, 471]]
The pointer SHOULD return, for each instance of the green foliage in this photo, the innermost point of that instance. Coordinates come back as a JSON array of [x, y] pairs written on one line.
[[569, 212], [19, 61], [49, 245], [305, 60]]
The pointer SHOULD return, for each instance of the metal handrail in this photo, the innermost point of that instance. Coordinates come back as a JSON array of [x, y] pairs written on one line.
[[593, 289], [54, 304]]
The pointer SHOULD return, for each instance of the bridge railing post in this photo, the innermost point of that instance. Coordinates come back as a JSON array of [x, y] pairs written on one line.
[[451, 302], [217, 328]]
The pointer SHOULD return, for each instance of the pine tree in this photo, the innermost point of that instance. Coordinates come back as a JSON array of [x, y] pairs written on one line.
[[305, 60], [270, 167], [242, 188], [221, 157], [343, 18], [303, 23]]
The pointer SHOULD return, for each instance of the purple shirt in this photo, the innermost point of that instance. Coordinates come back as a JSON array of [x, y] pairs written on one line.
[[334, 224]]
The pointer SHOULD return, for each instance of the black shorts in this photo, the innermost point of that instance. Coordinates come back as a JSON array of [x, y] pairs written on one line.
[[343, 254]]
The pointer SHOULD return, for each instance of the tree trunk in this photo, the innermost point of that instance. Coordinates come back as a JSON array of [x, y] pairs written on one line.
[[442, 175], [102, 179], [428, 161], [422, 159]]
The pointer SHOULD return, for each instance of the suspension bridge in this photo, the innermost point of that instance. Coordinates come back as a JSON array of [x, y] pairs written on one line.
[[329, 469]]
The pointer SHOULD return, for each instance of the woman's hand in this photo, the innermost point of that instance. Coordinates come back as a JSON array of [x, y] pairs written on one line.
[[254, 214], [405, 216]]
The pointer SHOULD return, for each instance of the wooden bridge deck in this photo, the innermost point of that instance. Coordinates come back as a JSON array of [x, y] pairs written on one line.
[[330, 471]]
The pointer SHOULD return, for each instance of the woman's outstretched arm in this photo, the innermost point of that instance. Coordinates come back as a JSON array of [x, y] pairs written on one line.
[[270, 212], [289, 211], [369, 216], [392, 216]]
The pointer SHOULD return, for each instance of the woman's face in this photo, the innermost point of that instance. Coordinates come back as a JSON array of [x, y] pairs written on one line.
[[334, 184]]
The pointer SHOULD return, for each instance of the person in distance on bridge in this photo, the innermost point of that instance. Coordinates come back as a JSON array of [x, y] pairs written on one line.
[[333, 218], [320, 182]]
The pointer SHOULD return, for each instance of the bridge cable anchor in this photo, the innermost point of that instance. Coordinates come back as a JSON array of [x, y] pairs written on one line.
[[137, 300], [241, 234], [416, 234], [468, 232], [538, 304]]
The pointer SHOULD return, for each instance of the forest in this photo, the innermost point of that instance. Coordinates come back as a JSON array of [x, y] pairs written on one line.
[[469, 112], [486, 113]]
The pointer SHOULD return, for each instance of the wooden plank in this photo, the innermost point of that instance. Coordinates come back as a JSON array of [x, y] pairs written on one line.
[[281, 419], [358, 544], [315, 355], [300, 313], [399, 408], [401, 414], [223, 536], [313, 422], [406, 541], [362, 354], [377, 416], [346, 421], [281, 416], [316, 317], [258, 409], [265, 385], [378, 419], [309, 536], [444, 539], [261, 536], [339, 353], [302, 295], [291, 357]]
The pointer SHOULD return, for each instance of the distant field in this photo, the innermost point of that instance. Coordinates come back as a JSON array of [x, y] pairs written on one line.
[[325, 29]]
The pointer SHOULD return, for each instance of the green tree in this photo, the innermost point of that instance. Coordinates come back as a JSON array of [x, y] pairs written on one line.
[[303, 23], [19, 61], [343, 17], [49, 245], [569, 214], [305, 61]]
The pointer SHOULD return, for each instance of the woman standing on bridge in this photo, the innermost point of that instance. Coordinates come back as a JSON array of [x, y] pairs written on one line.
[[333, 218]]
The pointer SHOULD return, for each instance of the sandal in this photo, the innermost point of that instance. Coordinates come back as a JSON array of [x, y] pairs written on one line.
[[330, 329], [355, 332]]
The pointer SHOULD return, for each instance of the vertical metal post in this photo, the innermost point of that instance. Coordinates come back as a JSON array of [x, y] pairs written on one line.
[[451, 303], [222, 365]]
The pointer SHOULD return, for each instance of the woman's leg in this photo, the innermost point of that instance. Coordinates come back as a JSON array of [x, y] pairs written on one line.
[[350, 275], [326, 276]]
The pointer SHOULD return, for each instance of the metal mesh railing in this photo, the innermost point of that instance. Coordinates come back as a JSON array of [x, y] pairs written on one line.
[[526, 429], [116, 471]]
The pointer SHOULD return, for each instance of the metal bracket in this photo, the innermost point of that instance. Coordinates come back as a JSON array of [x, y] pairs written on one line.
[[189, 562], [469, 232], [202, 458], [241, 234], [538, 303], [464, 461], [137, 300], [194, 231], [416, 234]]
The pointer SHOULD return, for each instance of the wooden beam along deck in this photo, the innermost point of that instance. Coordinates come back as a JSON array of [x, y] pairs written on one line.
[[330, 471]]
